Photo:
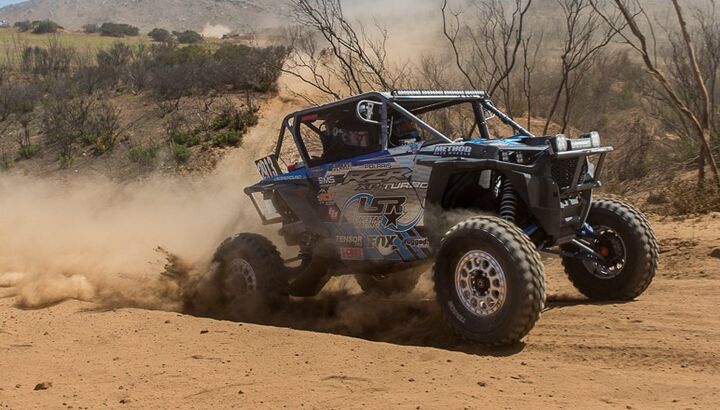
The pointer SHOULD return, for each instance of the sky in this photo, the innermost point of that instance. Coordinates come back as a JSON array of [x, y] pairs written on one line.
[[4, 3]]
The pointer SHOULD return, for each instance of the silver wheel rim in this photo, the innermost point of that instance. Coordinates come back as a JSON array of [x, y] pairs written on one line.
[[241, 276], [480, 283], [608, 271]]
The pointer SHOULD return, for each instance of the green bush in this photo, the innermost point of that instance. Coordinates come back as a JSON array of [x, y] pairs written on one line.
[[185, 138], [23, 26], [118, 30], [6, 163], [188, 37], [160, 35], [144, 155], [45, 27], [181, 153], [230, 138], [222, 121], [28, 151], [91, 28], [66, 160]]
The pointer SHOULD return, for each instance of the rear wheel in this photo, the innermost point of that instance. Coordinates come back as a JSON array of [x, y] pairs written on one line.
[[489, 281], [624, 237], [249, 270], [386, 285]]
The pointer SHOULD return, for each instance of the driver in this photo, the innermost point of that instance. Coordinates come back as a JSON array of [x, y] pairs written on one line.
[[406, 131], [345, 139]]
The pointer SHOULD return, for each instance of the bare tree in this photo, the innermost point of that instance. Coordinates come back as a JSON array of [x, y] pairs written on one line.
[[336, 57], [486, 50], [699, 118], [585, 34], [530, 54]]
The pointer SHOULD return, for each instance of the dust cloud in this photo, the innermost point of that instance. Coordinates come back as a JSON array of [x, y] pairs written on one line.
[[215, 31], [96, 240]]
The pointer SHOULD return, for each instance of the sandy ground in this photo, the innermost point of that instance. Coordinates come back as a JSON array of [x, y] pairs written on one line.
[[661, 351]]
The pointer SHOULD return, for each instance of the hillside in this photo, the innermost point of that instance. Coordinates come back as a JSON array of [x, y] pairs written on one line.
[[147, 14]]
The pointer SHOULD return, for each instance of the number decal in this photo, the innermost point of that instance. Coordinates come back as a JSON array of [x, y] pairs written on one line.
[[268, 167]]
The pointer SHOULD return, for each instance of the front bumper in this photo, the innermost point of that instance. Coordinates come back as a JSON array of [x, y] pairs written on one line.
[[559, 198]]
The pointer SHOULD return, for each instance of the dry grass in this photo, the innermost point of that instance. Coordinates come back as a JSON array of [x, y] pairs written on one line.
[[12, 43]]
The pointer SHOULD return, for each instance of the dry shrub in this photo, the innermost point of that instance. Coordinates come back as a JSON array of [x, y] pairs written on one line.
[[686, 197]]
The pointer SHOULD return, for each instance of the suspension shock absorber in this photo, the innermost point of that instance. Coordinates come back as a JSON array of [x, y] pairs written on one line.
[[508, 201]]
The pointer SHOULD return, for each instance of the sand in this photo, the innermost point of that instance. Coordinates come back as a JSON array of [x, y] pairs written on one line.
[[660, 351]]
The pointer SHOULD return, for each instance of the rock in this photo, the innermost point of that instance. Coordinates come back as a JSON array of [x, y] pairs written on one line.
[[715, 253], [202, 332], [43, 386], [124, 401], [482, 384]]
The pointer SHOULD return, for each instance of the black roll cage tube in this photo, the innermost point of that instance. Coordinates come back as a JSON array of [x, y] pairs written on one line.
[[480, 105]]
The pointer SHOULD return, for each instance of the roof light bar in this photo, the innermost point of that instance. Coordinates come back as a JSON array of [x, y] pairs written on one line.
[[436, 93]]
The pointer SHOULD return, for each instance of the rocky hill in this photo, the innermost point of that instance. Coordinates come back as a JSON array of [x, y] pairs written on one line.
[[147, 14]]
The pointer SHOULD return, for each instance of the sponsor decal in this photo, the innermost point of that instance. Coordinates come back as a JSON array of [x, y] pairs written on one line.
[[289, 177], [367, 211], [334, 213], [383, 241], [407, 185], [379, 175], [351, 240], [327, 180], [384, 165], [419, 242], [343, 166], [378, 179], [352, 254], [326, 198], [391, 207], [453, 150]]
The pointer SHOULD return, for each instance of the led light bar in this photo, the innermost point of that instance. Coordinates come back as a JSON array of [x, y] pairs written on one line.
[[439, 93]]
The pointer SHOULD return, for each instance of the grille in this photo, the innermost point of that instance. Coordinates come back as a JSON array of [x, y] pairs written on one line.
[[563, 171]]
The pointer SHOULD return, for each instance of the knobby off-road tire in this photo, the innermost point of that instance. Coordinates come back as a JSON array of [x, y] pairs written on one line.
[[395, 283], [250, 272], [641, 254], [499, 250]]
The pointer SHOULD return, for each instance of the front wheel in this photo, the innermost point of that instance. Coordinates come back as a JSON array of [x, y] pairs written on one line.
[[624, 237], [489, 281]]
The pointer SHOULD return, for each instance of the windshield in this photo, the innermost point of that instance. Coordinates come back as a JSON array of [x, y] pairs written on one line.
[[459, 121]]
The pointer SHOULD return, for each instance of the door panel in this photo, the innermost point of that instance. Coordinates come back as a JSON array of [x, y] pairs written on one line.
[[373, 205]]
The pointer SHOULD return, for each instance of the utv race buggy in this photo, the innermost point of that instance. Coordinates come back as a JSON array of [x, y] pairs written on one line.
[[370, 186]]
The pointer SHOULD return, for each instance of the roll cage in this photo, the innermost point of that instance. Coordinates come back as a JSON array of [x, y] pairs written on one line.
[[410, 104]]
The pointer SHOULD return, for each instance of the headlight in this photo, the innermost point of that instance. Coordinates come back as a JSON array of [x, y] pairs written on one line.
[[560, 143], [581, 143], [593, 137]]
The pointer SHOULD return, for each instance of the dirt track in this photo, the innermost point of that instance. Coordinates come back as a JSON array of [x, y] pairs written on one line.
[[658, 352]]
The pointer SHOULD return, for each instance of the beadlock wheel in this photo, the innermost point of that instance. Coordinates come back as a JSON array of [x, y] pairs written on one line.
[[612, 247], [242, 275], [480, 283]]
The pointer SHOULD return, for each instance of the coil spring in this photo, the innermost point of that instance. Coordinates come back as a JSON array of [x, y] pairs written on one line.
[[508, 203]]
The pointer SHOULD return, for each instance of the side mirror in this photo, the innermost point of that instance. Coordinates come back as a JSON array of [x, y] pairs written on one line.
[[369, 111]]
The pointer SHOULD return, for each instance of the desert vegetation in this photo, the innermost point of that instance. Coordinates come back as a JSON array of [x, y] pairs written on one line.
[[59, 102], [647, 79]]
